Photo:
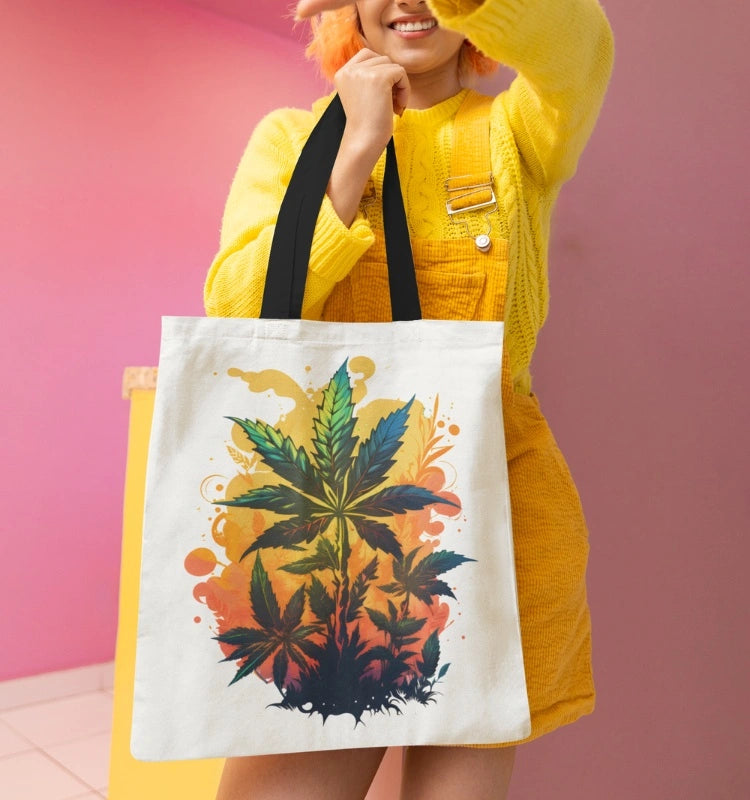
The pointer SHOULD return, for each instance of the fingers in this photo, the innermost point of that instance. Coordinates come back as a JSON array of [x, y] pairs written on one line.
[[308, 8], [369, 56]]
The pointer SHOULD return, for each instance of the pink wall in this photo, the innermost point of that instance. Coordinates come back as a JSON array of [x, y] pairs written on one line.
[[644, 371], [127, 120]]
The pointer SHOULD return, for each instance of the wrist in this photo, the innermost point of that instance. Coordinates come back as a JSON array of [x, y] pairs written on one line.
[[363, 145]]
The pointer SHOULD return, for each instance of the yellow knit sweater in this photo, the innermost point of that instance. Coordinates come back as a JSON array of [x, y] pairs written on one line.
[[562, 51]]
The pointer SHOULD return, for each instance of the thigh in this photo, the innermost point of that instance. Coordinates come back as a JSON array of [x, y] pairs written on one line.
[[324, 775], [444, 773]]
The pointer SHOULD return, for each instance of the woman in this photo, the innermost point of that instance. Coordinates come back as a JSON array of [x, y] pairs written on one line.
[[398, 66]]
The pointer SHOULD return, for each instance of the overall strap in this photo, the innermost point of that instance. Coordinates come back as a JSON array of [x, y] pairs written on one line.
[[470, 186]]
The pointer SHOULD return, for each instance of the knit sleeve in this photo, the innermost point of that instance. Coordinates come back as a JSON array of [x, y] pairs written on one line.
[[563, 52], [236, 278]]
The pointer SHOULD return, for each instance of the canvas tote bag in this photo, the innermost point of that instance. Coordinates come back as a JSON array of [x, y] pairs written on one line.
[[327, 548]]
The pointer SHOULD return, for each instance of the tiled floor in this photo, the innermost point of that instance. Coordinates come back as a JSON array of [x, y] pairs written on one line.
[[54, 735]]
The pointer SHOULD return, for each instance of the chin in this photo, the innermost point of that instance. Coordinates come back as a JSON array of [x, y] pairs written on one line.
[[419, 67]]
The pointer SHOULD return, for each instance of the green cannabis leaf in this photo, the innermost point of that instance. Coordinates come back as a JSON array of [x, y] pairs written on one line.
[[279, 634], [421, 579]]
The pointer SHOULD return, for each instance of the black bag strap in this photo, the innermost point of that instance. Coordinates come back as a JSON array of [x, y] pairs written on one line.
[[298, 215]]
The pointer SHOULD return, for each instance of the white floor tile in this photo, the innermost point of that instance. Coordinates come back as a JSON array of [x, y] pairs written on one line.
[[33, 776], [61, 721], [11, 742], [52, 685], [87, 758]]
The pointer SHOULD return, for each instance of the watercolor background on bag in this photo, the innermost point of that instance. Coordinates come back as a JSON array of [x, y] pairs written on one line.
[[332, 582]]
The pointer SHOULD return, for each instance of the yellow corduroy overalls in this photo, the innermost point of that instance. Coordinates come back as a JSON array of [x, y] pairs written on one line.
[[458, 280]]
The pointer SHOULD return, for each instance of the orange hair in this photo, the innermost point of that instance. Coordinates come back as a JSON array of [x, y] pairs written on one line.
[[336, 37]]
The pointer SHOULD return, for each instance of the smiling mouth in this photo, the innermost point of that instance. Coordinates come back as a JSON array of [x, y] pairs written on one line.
[[414, 27]]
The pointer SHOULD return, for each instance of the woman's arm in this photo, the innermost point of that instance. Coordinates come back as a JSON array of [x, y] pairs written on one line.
[[563, 52], [236, 279]]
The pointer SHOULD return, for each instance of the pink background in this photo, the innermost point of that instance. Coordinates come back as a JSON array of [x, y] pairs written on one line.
[[122, 123]]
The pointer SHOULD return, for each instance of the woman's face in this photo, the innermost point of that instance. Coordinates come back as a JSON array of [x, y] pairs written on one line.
[[406, 32]]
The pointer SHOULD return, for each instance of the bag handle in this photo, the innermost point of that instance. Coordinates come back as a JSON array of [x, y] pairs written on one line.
[[298, 215]]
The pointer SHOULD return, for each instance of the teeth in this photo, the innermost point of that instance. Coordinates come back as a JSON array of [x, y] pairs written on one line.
[[408, 27]]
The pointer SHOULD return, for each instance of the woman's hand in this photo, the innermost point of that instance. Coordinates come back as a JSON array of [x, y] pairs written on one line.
[[308, 8], [372, 89]]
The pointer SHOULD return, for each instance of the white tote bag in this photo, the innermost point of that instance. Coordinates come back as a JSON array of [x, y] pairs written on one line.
[[327, 547]]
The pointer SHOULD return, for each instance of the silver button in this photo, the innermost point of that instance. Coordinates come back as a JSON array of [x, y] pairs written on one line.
[[483, 242]]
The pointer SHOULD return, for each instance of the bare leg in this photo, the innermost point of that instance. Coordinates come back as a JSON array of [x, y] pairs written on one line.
[[324, 775], [444, 773]]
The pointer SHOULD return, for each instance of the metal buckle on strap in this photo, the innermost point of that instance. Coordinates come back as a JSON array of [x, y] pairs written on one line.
[[454, 185]]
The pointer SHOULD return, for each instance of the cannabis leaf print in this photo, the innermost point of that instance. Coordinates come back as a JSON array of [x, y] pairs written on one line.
[[277, 634], [340, 646]]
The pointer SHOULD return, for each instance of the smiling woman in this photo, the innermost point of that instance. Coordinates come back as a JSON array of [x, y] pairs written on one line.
[[480, 178]]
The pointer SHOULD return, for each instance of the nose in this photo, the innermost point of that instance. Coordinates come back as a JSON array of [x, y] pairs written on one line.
[[415, 5]]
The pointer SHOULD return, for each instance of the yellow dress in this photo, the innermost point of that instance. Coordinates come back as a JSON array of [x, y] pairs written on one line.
[[537, 130]]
